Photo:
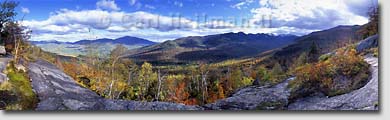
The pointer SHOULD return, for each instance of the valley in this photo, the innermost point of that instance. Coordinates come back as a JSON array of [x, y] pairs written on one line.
[[81, 47]]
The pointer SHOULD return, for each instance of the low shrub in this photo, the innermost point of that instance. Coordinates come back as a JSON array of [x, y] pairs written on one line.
[[375, 51], [341, 73]]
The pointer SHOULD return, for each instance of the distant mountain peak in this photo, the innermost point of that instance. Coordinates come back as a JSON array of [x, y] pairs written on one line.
[[126, 40]]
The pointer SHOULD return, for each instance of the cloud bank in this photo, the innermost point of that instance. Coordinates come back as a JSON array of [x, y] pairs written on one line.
[[312, 14]]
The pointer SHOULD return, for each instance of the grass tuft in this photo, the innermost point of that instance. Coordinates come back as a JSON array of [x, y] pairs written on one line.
[[19, 87]]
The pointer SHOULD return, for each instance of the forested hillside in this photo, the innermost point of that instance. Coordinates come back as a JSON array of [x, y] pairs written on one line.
[[209, 49]]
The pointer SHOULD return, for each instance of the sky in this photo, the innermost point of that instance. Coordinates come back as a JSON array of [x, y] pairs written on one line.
[[160, 20]]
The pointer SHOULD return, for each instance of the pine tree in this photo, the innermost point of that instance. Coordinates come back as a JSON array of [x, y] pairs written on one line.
[[236, 77], [301, 60], [313, 52], [277, 73], [262, 74]]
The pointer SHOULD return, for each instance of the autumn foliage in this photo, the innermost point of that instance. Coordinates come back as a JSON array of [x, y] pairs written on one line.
[[328, 76], [115, 77], [182, 96]]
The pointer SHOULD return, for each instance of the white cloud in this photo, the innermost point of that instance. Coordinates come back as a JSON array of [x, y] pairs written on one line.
[[116, 29], [25, 10], [238, 5], [360, 7], [149, 6], [217, 24], [69, 22], [307, 14], [107, 5], [145, 20], [71, 25], [242, 4]]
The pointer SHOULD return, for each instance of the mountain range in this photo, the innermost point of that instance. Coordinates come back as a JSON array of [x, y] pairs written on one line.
[[214, 48], [103, 45], [126, 40], [211, 48]]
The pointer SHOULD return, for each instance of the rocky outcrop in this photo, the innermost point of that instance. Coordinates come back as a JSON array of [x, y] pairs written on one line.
[[365, 98], [367, 43], [2, 50], [255, 98], [58, 91], [3, 65]]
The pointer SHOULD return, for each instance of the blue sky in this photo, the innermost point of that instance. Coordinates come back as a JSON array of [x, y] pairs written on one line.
[[160, 20], [43, 8]]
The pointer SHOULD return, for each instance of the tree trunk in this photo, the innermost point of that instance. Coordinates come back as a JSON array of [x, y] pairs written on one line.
[[159, 85], [110, 89]]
